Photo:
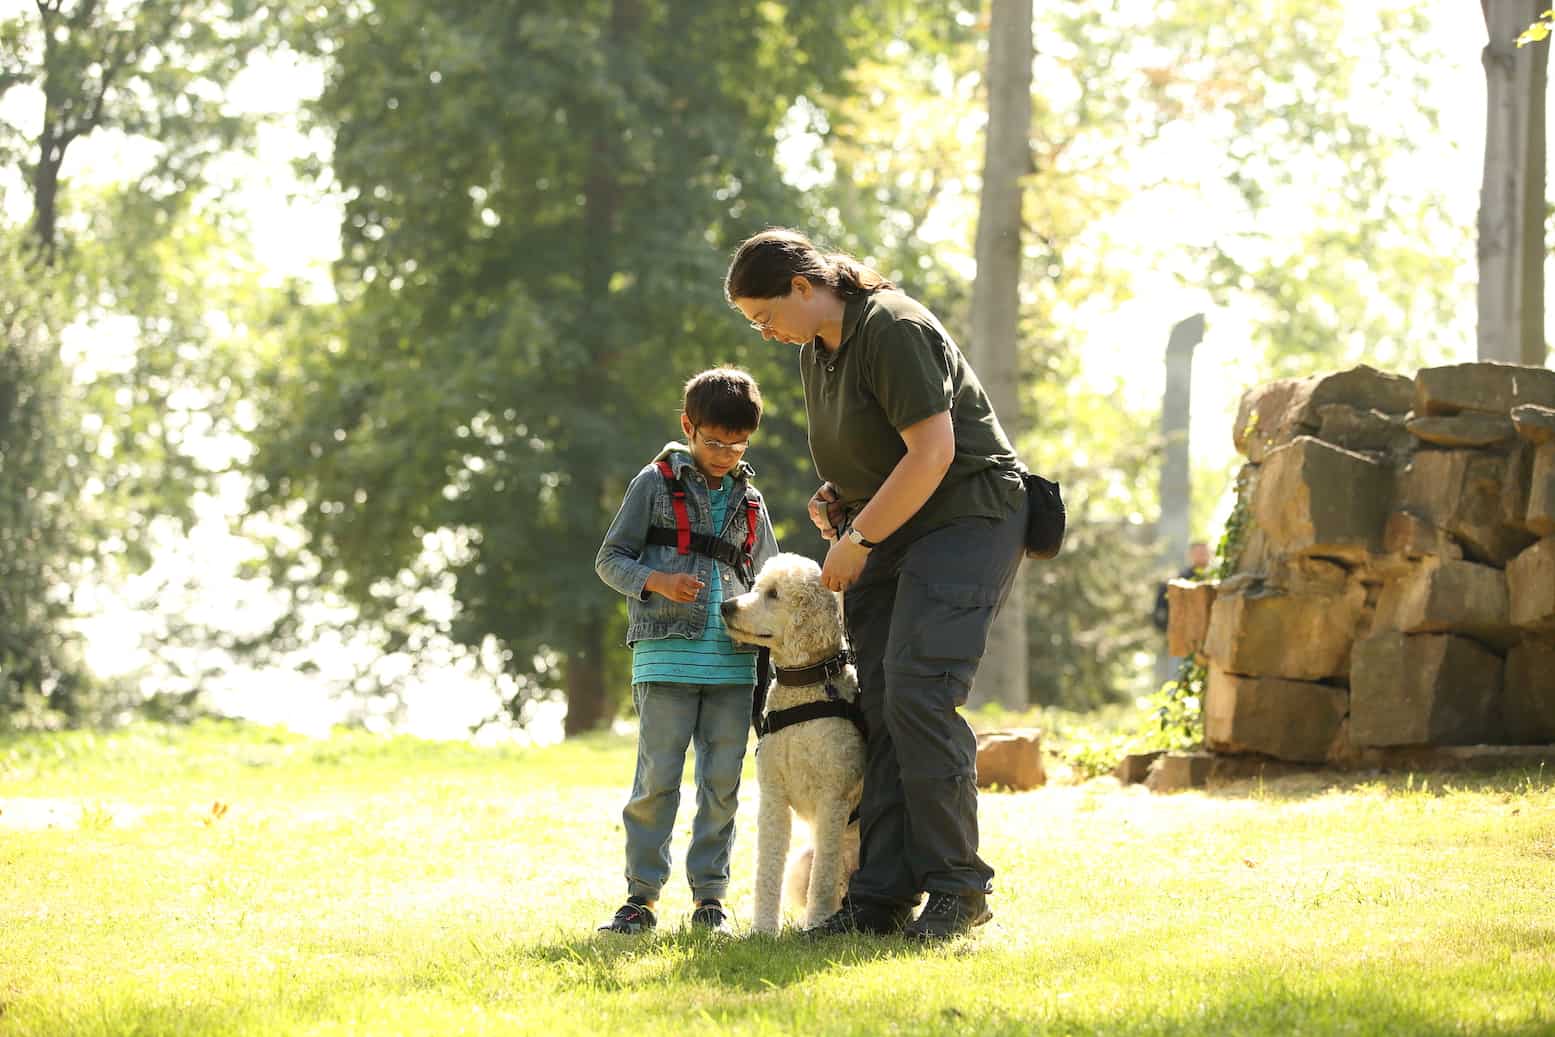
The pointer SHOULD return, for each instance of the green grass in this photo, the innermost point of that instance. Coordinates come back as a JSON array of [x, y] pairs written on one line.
[[363, 885]]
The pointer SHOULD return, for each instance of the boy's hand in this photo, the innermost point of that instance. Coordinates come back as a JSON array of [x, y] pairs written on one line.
[[826, 511], [681, 587]]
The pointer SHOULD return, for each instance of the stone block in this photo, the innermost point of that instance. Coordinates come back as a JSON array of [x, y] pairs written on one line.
[[1314, 498], [1365, 388], [1447, 596], [1188, 604], [1173, 772], [1469, 429], [1271, 415], [1534, 423], [1135, 767], [1274, 414], [1461, 491], [1408, 535], [1362, 430], [1530, 585], [1516, 484], [1528, 704], [1539, 518], [1424, 689], [1485, 387], [1260, 630], [1010, 759], [1289, 720]]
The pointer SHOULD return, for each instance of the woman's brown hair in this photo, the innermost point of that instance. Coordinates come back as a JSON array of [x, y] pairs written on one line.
[[765, 264]]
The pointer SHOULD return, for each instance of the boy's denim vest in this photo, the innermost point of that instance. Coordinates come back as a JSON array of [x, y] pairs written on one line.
[[625, 559]]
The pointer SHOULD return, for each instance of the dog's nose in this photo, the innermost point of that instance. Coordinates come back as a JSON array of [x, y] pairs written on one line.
[[727, 608]]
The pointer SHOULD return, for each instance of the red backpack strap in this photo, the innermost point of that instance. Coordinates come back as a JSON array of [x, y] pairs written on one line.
[[678, 501], [752, 512]]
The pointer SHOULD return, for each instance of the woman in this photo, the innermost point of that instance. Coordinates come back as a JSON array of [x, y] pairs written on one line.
[[925, 506]]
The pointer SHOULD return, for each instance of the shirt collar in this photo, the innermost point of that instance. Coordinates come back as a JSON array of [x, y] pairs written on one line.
[[852, 314]]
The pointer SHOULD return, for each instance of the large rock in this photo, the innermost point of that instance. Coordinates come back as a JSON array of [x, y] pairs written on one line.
[[1463, 430], [1447, 596], [1262, 630], [1462, 491], [1289, 720], [1010, 759], [1407, 535], [1539, 518], [1188, 604], [1424, 689], [1315, 498], [1534, 423], [1530, 584], [1485, 387], [1274, 414], [1174, 772], [1362, 430], [1529, 700]]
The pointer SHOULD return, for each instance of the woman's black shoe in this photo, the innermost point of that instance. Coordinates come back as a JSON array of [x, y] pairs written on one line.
[[853, 917], [949, 914]]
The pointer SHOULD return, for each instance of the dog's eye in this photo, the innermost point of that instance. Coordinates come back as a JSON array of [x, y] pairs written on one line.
[[772, 594]]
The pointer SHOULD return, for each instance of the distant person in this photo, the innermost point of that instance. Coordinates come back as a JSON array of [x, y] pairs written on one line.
[[691, 531], [1196, 569], [925, 505]]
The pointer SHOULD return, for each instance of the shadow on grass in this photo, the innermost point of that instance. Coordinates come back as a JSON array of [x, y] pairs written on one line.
[[743, 961]]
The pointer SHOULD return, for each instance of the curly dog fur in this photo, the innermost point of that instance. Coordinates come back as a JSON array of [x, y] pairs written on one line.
[[813, 769]]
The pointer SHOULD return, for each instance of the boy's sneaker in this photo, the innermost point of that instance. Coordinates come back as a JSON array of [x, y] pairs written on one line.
[[710, 915], [949, 914], [853, 917], [632, 918]]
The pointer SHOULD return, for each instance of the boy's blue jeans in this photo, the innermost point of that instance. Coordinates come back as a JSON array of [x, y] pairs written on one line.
[[717, 718]]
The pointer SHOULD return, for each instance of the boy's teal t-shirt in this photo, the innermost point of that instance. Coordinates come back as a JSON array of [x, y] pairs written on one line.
[[711, 658]]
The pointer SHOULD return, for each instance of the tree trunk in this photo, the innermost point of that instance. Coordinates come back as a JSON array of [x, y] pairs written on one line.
[[587, 707], [1511, 207], [586, 682], [996, 299]]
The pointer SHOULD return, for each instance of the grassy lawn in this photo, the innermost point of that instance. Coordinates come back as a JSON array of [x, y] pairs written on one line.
[[377, 886]]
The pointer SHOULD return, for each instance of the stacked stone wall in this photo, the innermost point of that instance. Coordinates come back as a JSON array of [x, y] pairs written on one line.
[[1394, 583]]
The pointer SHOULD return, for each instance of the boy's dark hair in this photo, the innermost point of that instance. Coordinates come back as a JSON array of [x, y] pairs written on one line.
[[725, 397], [765, 264]]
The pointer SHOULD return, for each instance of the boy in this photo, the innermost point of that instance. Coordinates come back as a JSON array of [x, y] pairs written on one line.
[[691, 531]]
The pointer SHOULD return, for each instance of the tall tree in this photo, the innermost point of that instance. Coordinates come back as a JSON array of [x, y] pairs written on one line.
[[541, 200], [994, 345], [1512, 203], [106, 445]]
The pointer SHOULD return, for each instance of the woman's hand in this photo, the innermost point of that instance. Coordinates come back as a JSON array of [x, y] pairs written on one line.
[[827, 511], [844, 561]]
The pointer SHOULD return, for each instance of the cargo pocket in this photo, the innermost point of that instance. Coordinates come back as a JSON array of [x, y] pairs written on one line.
[[948, 632]]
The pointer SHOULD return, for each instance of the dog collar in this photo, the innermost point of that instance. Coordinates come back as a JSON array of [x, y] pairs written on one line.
[[815, 673]]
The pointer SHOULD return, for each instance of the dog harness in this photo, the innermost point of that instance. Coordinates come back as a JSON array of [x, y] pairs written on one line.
[[833, 705], [685, 542]]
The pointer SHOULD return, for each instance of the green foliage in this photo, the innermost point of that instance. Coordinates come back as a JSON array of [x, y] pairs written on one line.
[[541, 200], [41, 678]]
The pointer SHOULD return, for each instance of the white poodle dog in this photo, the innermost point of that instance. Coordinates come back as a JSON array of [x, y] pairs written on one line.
[[814, 767]]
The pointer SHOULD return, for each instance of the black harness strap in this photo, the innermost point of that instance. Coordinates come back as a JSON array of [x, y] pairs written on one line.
[[782, 718], [726, 552]]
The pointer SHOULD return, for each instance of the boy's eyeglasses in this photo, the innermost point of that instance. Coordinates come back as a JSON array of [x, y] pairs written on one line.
[[733, 448]]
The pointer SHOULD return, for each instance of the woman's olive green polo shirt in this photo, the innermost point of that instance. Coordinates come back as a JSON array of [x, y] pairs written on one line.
[[896, 365]]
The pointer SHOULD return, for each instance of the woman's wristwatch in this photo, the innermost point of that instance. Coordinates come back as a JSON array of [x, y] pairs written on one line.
[[858, 538]]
